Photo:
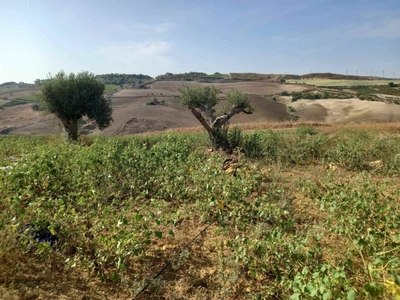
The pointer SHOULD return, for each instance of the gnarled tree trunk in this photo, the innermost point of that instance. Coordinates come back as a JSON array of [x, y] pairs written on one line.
[[71, 128]]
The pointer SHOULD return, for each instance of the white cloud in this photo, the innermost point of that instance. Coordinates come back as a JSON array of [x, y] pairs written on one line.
[[377, 27], [149, 57], [147, 49], [148, 29], [387, 29]]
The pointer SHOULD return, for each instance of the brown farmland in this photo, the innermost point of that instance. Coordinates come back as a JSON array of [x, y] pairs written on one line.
[[133, 114]]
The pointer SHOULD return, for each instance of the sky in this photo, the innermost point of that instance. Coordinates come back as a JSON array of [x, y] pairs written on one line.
[[153, 37]]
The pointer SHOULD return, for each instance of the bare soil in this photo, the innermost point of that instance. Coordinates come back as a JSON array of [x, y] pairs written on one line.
[[133, 115], [346, 111]]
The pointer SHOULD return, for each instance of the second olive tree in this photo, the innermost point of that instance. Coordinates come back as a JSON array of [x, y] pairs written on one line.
[[203, 103]]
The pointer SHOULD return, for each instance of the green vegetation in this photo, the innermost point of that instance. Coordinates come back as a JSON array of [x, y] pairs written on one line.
[[367, 90], [156, 102], [202, 102], [10, 83], [110, 88], [182, 76], [29, 98], [191, 76], [120, 79], [20, 100], [308, 95], [321, 94], [14, 102], [71, 97], [310, 218], [217, 75], [285, 93]]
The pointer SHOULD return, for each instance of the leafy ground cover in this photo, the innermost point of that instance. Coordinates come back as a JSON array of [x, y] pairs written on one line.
[[15, 102], [28, 97], [218, 76], [394, 91], [302, 213], [111, 88]]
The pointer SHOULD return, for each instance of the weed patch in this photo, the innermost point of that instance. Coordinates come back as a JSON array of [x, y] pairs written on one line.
[[113, 212]]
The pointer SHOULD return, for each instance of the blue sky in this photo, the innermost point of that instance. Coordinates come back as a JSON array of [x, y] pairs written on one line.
[[154, 37]]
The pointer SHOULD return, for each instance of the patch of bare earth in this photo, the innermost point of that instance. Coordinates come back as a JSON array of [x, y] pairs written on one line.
[[133, 114], [346, 111]]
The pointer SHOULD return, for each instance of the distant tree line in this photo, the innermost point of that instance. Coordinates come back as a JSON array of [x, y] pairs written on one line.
[[13, 84], [119, 79], [191, 76], [182, 76], [8, 83]]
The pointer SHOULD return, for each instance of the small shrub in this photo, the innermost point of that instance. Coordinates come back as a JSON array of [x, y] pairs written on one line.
[[304, 149], [235, 138], [35, 106], [306, 95], [155, 102], [270, 146], [350, 150], [304, 130], [285, 93], [253, 146], [326, 95]]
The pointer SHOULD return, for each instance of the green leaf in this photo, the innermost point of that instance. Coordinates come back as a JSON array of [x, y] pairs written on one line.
[[312, 290], [158, 234], [351, 295], [374, 289], [327, 295], [114, 277], [295, 296]]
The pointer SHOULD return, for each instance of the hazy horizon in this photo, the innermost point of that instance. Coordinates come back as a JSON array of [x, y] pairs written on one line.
[[155, 37]]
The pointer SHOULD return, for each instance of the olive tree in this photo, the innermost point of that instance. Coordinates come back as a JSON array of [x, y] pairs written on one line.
[[71, 97], [203, 103]]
